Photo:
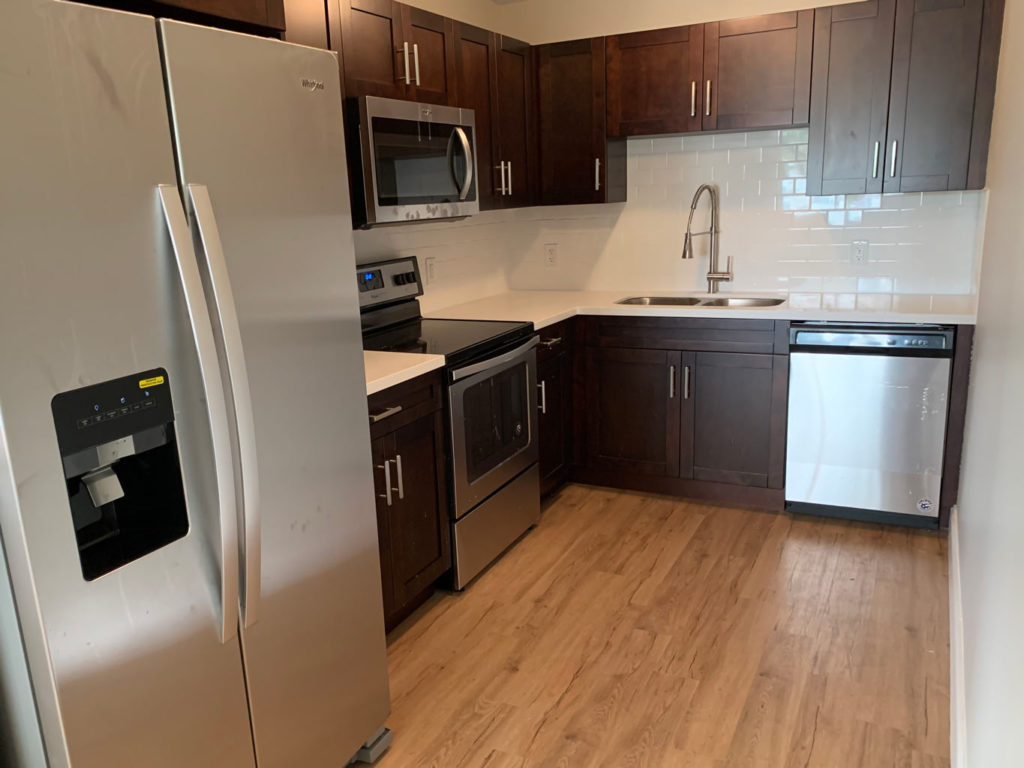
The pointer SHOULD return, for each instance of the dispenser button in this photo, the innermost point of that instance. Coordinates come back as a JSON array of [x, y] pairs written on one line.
[[136, 407], [148, 403], [83, 423]]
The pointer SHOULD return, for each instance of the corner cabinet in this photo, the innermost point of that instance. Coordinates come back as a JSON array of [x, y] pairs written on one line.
[[903, 95], [410, 485], [690, 407], [578, 162]]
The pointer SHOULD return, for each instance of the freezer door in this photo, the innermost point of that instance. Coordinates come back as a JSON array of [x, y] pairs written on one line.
[[867, 431], [130, 667], [258, 128]]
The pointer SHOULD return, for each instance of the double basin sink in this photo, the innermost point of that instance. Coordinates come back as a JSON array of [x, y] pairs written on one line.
[[693, 301]]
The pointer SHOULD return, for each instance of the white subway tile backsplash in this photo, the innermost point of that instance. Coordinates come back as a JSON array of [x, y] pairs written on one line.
[[780, 238]]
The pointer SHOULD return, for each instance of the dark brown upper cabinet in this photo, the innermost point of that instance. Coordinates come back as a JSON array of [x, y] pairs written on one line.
[[931, 99], [578, 162], [729, 75], [263, 17], [850, 97], [903, 95], [514, 121], [395, 51], [474, 88], [655, 81], [494, 77], [757, 71]]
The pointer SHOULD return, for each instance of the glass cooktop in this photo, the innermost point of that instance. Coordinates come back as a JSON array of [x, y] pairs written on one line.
[[460, 341]]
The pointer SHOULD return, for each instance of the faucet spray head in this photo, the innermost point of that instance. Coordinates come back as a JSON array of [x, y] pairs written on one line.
[[688, 246]]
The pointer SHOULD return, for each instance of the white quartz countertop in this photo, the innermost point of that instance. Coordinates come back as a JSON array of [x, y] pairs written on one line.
[[386, 369], [543, 308]]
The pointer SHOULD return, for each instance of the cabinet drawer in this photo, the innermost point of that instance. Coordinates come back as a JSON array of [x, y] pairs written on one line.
[[402, 404], [684, 333]]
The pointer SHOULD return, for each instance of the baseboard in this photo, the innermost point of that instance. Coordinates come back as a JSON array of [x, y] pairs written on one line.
[[957, 693]]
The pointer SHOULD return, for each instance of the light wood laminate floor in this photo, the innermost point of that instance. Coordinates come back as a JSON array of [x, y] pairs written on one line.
[[636, 630]]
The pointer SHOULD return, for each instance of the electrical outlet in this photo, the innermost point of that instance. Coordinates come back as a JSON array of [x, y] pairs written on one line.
[[429, 268], [859, 252], [550, 255]]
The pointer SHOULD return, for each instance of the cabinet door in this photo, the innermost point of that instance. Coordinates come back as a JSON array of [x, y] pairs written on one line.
[[420, 534], [372, 48], [513, 120], [757, 71], [633, 411], [850, 97], [306, 23], [383, 451], [474, 88], [554, 380], [431, 40], [576, 165], [655, 81], [931, 101], [738, 418]]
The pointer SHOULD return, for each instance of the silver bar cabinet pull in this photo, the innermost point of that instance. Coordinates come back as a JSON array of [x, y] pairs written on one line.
[[401, 476], [405, 48], [671, 382], [386, 466], [503, 177], [554, 341], [874, 165], [597, 174], [686, 383], [693, 98], [510, 178], [416, 59], [543, 396], [895, 148], [385, 414], [707, 100]]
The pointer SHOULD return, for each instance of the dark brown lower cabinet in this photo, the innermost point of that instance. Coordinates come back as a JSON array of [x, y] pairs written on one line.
[[704, 417], [735, 404], [410, 485], [633, 411], [554, 398]]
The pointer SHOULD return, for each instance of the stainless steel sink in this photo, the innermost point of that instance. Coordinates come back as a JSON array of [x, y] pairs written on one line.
[[693, 301], [741, 302], [661, 301]]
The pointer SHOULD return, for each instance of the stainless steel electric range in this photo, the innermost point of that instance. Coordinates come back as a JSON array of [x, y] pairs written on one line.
[[491, 413]]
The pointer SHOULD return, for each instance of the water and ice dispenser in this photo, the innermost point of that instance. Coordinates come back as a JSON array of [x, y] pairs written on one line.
[[121, 468]]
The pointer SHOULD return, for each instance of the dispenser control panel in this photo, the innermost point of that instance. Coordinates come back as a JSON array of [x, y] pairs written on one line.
[[114, 409]]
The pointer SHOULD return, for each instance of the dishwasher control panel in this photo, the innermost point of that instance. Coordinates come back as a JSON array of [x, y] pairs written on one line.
[[931, 340]]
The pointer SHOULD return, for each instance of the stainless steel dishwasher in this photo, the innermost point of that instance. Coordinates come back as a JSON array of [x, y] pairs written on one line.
[[867, 421]]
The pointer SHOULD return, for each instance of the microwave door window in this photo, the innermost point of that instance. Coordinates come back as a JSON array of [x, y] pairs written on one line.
[[417, 163], [496, 421]]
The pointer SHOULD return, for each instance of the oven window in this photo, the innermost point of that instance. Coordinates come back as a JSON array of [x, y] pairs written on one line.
[[496, 420], [419, 163]]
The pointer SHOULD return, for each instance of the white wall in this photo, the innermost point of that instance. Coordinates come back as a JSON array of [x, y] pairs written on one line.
[[991, 509], [545, 21], [780, 238]]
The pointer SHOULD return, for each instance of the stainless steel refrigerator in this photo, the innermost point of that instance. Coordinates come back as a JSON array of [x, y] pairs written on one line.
[[189, 572]]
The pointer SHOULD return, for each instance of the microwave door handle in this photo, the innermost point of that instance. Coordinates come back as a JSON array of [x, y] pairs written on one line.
[[212, 255], [467, 180], [216, 405], [450, 154]]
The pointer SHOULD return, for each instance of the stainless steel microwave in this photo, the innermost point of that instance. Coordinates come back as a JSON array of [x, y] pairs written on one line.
[[418, 161]]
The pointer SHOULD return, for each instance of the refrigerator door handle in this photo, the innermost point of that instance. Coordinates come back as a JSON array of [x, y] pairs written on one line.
[[238, 380], [216, 406]]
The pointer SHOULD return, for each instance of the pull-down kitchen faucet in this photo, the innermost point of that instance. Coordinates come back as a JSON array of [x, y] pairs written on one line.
[[715, 275]]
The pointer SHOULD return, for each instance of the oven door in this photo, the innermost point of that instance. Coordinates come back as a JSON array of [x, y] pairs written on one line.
[[419, 161], [493, 408]]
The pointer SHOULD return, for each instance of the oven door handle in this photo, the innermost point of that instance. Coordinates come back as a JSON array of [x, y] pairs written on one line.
[[495, 362]]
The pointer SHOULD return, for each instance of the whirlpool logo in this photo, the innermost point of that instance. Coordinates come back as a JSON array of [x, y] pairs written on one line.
[[312, 85]]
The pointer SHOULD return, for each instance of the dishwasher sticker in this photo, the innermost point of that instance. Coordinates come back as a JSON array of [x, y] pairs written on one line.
[[925, 505]]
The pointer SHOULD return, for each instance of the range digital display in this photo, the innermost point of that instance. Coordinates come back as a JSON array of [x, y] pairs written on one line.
[[370, 280]]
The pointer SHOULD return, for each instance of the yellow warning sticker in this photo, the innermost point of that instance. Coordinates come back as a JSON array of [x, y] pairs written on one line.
[[153, 382]]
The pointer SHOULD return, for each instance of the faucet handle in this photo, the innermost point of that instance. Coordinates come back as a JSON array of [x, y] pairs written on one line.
[[728, 267]]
